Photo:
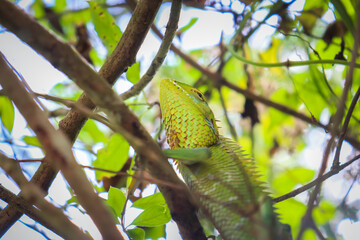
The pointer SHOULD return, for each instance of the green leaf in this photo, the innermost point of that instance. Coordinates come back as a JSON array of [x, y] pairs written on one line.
[[112, 157], [286, 181], [155, 232], [116, 200], [59, 6], [78, 17], [66, 90], [271, 55], [91, 134], [155, 212], [7, 114], [188, 26], [324, 212], [95, 57], [133, 73], [286, 97], [322, 87], [105, 26], [38, 9], [136, 233], [234, 73], [72, 200], [182, 72], [290, 212], [152, 217], [309, 5], [73, 18], [312, 89], [156, 199], [309, 234], [31, 140]]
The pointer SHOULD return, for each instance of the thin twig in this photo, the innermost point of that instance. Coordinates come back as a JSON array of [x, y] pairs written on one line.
[[322, 178], [150, 179], [345, 127], [131, 191], [231, 127], [171, 28], [349, 190], [289, 63], [147, 178], [318, 55], [80, 107]]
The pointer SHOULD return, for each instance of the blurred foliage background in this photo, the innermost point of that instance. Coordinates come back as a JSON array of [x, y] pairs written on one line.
[[274, 78]]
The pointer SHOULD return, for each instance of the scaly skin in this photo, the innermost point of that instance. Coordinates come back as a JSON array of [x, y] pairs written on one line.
[[226, 184]]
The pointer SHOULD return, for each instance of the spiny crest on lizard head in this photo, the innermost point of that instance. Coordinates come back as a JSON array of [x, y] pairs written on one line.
[[189, 122]]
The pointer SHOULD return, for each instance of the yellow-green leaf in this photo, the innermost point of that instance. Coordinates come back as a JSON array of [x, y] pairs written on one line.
[[290, 212], [60, 5], [271, 55], [91, 134], [116, 199], [7, 114], [188, 26], [112, 157], [66, 90], [133, 73], [136, 233], [152, 217], [155, 232], [324, 212], [105, 26], [286, 181], [156, 199], [31, 140]]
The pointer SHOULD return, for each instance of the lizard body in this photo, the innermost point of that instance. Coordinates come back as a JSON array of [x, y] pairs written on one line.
[[226, 184]]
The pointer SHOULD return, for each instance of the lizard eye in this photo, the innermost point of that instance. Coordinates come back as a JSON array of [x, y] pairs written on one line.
[[198, 94]]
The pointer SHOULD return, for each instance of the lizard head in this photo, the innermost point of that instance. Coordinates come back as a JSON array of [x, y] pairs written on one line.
[[188, 120]]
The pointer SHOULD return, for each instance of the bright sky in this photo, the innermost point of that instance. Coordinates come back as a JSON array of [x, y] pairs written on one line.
[[41, 76]]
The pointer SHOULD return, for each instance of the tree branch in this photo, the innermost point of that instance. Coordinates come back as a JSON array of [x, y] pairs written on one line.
[[159, 58], [48, 215], [27, 29], [58, 149], [181, 203]]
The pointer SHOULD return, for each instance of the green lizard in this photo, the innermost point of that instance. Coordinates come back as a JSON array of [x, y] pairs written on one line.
[[226, 184]]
